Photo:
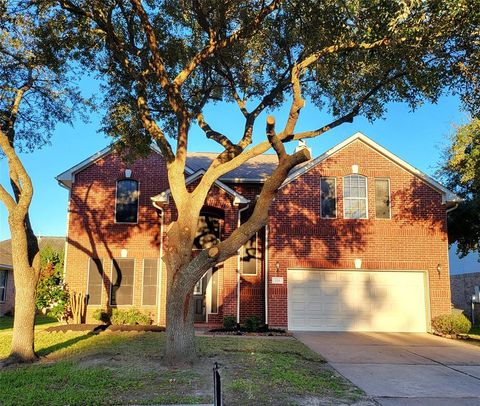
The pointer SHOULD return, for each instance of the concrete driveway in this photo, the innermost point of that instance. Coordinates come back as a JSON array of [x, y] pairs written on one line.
[[403, 369]]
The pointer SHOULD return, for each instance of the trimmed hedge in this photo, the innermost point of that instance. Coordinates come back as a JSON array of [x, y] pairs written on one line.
[[451, 324]]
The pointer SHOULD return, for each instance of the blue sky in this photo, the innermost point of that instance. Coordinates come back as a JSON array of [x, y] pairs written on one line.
[[417, 137]]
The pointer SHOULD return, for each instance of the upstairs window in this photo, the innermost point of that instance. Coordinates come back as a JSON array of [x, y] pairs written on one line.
[[382, 198], [126, 208], [328, 198], [355, 197]]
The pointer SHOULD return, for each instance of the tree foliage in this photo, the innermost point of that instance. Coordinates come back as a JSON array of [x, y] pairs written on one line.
[[461, 172]]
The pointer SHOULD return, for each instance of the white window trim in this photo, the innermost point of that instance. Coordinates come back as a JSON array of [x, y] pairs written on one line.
[[158, 281], [88, 280], [389, 200], [115, 209], [111, 283], [256, 257], [356, 198], [336, 198], [4, 287]]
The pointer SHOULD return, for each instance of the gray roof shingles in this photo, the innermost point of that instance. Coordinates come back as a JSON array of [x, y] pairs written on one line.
[[255, 170]]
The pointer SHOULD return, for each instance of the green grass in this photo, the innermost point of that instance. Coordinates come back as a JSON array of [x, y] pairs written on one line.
[[79, 368], [6, 322]]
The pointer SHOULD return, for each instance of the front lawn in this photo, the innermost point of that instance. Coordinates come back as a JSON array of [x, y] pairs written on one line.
[[79, 368]]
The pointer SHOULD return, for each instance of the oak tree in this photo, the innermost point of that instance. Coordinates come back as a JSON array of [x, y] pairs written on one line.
[[34, 97], [163, 61]]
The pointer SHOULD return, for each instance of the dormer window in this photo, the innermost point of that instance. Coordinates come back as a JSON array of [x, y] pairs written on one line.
[[355, 197], [126, 208]]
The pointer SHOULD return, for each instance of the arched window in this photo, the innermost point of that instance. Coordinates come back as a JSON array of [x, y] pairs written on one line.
[[126, 207], [355, 197]]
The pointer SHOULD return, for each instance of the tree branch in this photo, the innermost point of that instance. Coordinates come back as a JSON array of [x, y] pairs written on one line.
[[214, 46]]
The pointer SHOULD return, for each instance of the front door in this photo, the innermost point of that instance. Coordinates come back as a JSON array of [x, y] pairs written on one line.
[[199, 302]]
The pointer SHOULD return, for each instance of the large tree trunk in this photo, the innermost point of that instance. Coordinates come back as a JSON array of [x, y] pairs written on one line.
[[26, 265], [180, 345], [24, 321]]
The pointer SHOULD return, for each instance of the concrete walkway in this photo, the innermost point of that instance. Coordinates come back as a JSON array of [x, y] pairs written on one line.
[[399, 369]]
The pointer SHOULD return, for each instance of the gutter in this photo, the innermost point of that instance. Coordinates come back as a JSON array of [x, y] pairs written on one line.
[[238, 265], [451, 208]]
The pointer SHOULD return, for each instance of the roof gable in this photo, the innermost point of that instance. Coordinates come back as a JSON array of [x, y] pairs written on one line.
[[447, 195], [67, 177], [164, 197]]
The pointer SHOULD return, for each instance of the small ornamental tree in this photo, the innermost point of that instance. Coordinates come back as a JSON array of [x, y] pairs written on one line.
[[52, 294], [34, 97], [164, 61]]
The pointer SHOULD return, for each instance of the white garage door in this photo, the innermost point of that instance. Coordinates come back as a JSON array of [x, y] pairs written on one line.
[[356, 301]]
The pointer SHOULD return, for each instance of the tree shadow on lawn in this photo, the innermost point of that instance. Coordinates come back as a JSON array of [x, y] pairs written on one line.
[[64, 344]]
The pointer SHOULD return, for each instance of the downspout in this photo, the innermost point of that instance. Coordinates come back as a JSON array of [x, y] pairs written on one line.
[[266, 275], [238, 265], [159, 300], [65, 252], [451, 208]]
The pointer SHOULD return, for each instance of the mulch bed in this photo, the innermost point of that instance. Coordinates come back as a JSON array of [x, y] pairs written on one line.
[[97, 328], [274, 332]]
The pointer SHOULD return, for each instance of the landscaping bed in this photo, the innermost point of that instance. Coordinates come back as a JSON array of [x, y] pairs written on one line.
[[96, 328], [263, 331]]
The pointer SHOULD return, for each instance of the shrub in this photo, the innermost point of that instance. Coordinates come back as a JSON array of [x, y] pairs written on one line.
[[253, 323], [52, 295], [452, 324], [229, 322], [102, 316], [130, 317]]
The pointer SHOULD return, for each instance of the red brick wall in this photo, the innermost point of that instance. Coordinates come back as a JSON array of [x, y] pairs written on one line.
[[413, 239], [92, 231]]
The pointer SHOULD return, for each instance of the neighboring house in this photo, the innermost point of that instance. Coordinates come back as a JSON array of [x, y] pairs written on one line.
[[464, 287], [356, 240], [465, 280], [7, 287]]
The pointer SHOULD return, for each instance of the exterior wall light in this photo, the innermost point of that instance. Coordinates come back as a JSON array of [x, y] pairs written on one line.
[[124, 253], [128, 173], [277, 266], [358, 263], [439, 268]]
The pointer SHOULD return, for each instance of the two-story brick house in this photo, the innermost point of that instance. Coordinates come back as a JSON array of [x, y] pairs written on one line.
[[356, 240]]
